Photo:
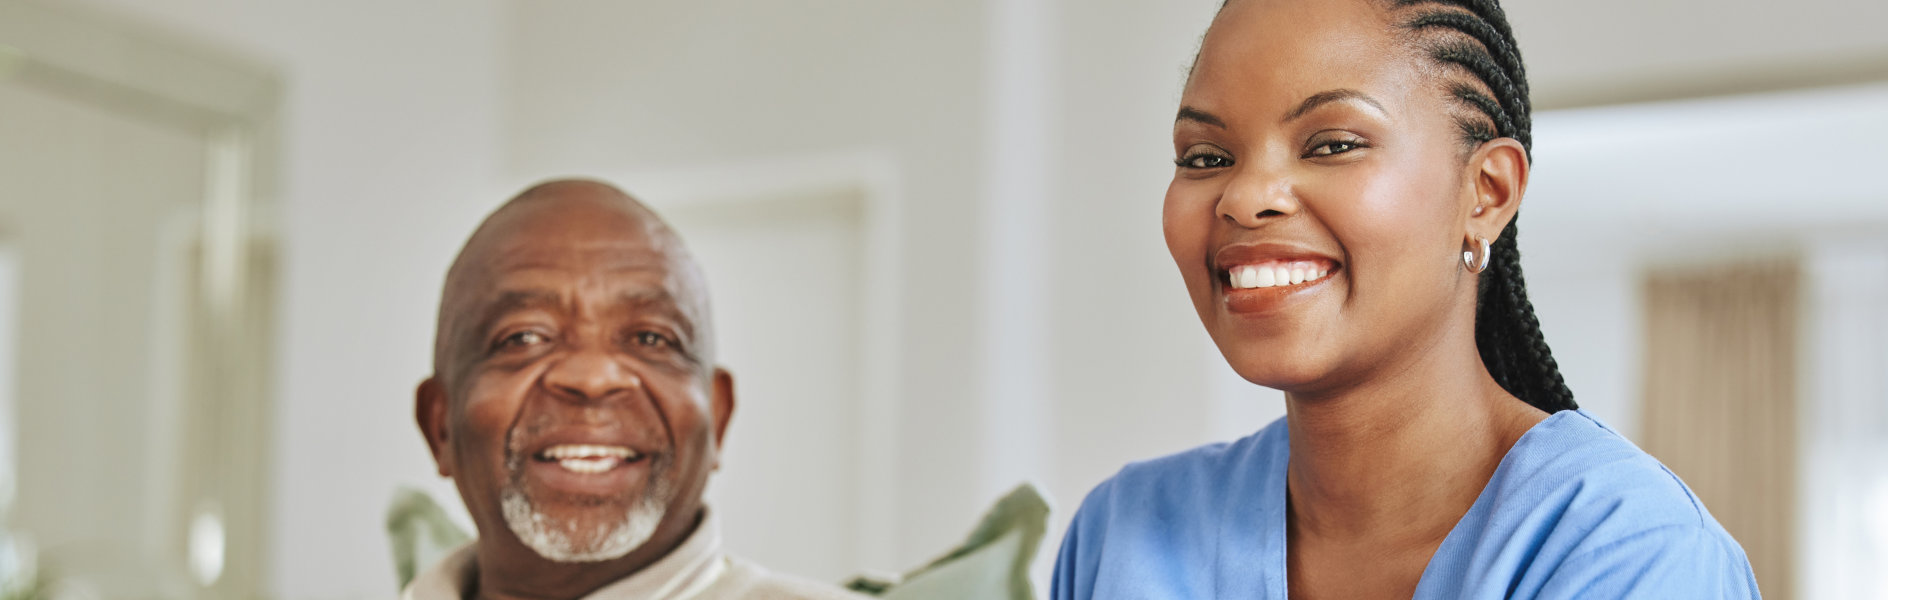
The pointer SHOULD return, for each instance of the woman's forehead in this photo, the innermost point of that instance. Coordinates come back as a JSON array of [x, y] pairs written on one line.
[[1275, 53], [1300, 26]]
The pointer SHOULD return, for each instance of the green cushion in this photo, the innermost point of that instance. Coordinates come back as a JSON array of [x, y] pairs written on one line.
[[992, 563], [420, 532]]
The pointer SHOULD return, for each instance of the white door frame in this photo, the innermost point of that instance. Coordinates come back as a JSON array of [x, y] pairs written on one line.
[[232, 104], [874, 177]]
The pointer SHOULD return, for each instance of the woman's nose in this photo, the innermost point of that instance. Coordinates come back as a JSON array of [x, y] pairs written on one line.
[[1255, 197]]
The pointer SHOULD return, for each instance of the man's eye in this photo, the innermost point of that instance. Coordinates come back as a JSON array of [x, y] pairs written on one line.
[[651, 339], [1204, 161], [523, 338], [1333, 147]]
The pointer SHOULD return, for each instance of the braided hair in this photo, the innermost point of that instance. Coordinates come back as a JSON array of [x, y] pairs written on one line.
[[1471, 40]]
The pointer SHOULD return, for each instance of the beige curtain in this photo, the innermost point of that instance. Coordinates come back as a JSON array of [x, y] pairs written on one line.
[[1720, 399]]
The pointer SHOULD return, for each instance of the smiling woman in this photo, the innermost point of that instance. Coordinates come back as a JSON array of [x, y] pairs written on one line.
[[1347, 177]]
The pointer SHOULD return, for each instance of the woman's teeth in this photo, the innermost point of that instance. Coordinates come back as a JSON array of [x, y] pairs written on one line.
[[1274, 274]]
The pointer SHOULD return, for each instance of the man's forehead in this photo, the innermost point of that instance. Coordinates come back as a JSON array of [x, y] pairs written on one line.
[[570, 237], [622, 266], [553, 253], [614, 275], [578, 225], [572, 221]]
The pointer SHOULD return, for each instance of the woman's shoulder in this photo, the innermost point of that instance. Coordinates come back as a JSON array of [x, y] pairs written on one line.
[[1587, 467], [1155, 528], [1198, 474], [1577, 502]]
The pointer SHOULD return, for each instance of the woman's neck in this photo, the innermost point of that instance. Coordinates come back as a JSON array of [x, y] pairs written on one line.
[[1398, 460]]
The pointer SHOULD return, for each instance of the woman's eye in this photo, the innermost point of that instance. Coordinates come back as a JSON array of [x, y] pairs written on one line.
[[1333, 147], [1205, 161]]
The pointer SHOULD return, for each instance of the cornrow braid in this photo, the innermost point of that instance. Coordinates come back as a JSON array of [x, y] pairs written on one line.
[[1472, 37], [1482, 45], [1508, 333], [1475, 60]]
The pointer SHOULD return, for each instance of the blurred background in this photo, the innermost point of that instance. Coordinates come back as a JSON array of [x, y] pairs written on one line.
[[933, 230]]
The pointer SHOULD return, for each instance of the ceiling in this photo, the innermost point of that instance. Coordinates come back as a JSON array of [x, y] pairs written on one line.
[[1588, 53]]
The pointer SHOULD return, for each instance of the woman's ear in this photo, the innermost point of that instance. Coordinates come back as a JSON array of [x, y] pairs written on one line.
[[1497, 175]]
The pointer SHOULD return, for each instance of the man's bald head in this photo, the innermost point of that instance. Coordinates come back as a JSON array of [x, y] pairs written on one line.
[[574, 399], [579, 212]]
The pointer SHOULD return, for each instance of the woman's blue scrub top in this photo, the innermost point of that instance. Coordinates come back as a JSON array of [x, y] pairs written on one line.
[[1573, 511]]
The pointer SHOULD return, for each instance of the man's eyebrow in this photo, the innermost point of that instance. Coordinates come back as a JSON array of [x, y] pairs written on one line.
[[1188, 113], [661, 301], [512, 300], [649, 298], [1330, 97]]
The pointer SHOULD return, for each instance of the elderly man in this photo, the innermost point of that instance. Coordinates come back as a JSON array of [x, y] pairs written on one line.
[[575, 403]]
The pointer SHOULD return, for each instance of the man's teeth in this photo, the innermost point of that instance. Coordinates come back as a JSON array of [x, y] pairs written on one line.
[[1274, 274], [589, 465], [587, 451], [588, 458]]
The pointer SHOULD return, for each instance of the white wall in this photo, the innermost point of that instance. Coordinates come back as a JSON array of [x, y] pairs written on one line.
[[1843, 430], [391, 121], [1133, 370], [729, 86], [1618, 189]]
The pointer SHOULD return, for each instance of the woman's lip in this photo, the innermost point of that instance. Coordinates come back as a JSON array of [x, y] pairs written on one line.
[[1236, 255], [1247, 301]]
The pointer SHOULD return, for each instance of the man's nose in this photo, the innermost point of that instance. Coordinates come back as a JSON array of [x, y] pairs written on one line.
[[589, 374], [1256, 197]]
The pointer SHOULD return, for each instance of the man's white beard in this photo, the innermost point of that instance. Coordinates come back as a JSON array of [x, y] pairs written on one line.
[[573, 542]]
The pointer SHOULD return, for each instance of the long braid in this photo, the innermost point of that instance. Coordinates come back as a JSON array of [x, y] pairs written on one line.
[[1473, 38], [1508, 333]]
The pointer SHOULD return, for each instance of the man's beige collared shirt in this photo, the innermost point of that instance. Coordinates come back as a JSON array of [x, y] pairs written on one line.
[[697, 570]]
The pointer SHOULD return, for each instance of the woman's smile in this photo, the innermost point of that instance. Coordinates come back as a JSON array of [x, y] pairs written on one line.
[[1264, 277]]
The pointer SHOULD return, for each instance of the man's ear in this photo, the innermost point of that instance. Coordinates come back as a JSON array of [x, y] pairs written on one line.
[[722, 405], [430, 413], [1498, 174]]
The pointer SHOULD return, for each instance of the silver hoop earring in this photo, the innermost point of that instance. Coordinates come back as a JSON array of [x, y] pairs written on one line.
[[1477, 254]]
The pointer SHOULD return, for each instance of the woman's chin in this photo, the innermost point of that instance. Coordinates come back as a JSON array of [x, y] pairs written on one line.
[[1291, 378], [1285, 362]]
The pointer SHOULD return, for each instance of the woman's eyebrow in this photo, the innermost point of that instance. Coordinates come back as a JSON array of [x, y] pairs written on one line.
[[1188, 113], [1332, 96]]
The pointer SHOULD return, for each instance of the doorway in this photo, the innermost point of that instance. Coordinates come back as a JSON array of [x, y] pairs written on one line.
[[135, 398]]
